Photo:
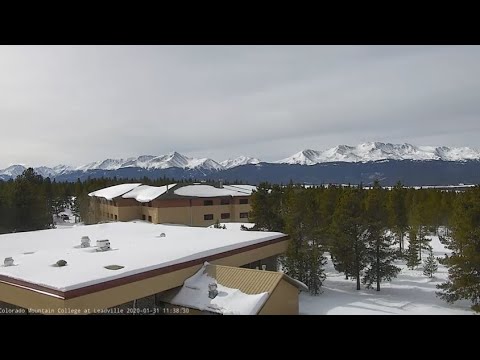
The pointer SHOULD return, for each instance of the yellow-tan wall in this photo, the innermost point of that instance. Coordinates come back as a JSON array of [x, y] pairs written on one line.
[[175, 215], [187, 213], [128, 213], [149, 211], [27, 299], [283, 300]]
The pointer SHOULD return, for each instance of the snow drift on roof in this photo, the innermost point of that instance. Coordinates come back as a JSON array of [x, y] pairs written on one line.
[[211, 191], [194, 294], [112, 192], [146, 193]]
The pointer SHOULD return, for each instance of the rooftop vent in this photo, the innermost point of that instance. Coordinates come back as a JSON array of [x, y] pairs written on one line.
[[103, 245], [60, 263], [212, 290], [85, 242], [264, 267], [162, 235], [8, 261], [220, 183], [114, 267]]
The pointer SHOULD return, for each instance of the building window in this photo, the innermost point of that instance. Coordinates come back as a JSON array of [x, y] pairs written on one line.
[[207, 202], [150, 204], [208, 217], [243, 201], [116, 217], [225, 202], [149, 219], [225, 216], [244, 215], [144, 217]]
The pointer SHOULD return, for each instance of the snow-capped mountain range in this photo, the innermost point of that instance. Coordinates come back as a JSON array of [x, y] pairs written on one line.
[[149, 162], [367, 152], [376, 151]]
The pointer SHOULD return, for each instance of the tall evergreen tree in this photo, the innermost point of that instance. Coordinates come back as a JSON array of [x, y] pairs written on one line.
[[464, 262], [304, 259], [266, 204], [380, 254], [397, 210], [413, 260], [30, 203], [347, 247]]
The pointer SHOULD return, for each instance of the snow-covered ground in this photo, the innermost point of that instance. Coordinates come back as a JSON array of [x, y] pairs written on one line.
[[411, 293]]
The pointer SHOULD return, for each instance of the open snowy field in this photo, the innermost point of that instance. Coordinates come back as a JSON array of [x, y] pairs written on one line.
[[411, 293]]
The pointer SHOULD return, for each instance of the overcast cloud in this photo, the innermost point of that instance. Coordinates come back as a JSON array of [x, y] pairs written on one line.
[[77, 104]]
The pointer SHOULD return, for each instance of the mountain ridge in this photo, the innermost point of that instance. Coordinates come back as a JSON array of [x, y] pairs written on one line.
[[177, 163]]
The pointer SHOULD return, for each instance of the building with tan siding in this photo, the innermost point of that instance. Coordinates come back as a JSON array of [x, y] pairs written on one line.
[[188, 204], [73, 271]]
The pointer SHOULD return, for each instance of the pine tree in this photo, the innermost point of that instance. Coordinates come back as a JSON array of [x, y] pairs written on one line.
[[266, 203], [398, 213], [380, 254], [430, 265], [347, 246], [315, 262], [412, 253], [464, 262], [304, 259], [30, 206]]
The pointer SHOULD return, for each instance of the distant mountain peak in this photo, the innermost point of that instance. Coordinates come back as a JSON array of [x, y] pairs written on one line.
[[241, 160], [375, 151]]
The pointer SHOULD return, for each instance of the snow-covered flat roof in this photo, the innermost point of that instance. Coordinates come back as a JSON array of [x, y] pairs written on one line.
[[146, 193], [137, 246], [211, 191], [112, 192]]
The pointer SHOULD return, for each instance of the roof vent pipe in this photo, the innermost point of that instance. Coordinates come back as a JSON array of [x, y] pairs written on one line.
[[162, 235], [103, 245], [85, 242], [8, 261], [220, 183], [212, 291], [264, 267]]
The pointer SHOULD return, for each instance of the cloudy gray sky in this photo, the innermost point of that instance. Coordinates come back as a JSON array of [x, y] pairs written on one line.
[[77, 104]]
